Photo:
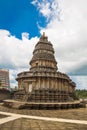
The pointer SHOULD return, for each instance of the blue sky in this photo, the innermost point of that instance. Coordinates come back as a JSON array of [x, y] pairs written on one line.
[[19, 16], [64, 22]]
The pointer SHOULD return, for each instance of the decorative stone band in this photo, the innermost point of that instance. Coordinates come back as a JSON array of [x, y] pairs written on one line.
[[44, 74]]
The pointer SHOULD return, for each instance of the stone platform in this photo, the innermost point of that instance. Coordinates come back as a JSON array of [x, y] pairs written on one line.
[[41, 105]]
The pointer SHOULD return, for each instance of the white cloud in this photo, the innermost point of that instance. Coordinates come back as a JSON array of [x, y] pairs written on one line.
[[14, 51], [25, 35], [69, 35], [48, 8], [15, 54], [81, 81]]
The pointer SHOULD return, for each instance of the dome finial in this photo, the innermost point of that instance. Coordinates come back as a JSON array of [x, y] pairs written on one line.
[[43, 34], [43, 37]]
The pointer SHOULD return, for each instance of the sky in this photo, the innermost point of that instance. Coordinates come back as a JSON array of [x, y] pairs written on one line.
[[64, 22]]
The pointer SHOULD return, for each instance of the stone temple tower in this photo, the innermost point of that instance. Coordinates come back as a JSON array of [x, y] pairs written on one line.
[[43, 82], [43, 56]]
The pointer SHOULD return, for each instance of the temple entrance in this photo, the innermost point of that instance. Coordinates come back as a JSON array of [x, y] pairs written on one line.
[[30, 87]]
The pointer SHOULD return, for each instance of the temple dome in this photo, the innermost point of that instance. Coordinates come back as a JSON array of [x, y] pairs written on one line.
[[44, 46]]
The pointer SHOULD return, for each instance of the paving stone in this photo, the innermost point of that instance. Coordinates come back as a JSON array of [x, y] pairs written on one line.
[[30, 124]]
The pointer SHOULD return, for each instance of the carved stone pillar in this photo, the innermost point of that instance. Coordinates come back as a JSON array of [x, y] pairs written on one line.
[[48, 83], [56, 84], [52, 83], [36, 84], [43, 83], [39, 85]]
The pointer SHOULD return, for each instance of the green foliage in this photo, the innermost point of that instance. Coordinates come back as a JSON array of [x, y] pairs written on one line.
[[81, 93]]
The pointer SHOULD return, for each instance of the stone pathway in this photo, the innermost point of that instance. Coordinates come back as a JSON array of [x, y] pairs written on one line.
[[7, 119], [13, 116]]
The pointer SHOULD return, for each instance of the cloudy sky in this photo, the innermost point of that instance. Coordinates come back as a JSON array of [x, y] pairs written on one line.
[[64, 22]]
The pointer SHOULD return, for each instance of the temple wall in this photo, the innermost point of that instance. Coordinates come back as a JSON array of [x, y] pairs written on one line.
[[52, 83], [70, 89], [46, 82]]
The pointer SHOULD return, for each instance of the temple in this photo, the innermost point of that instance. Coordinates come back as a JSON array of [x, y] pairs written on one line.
[[43, 83]]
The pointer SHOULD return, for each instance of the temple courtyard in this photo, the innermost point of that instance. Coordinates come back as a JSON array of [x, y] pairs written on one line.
[[24, 119]]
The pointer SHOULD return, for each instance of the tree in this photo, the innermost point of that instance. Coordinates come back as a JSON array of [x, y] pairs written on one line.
[[81, 93]]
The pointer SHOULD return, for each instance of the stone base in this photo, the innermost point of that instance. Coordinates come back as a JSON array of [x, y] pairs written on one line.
[[41, 105]]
